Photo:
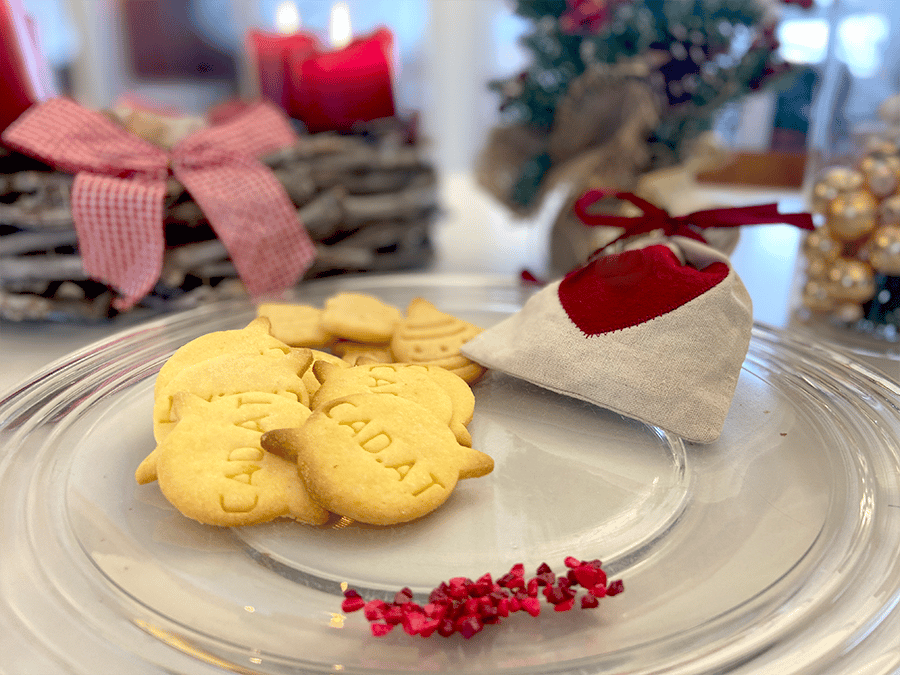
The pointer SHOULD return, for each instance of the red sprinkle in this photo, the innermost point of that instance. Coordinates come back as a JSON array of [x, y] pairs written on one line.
[[352, 601], [379, 629], [463, 606]]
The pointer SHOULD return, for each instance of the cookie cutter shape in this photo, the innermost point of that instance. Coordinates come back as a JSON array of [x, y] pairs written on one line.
[[428, 335], [269, 411], [212, 466], [379, 459]]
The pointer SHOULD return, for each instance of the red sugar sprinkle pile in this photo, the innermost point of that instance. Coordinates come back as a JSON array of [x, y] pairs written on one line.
[[464, 606]]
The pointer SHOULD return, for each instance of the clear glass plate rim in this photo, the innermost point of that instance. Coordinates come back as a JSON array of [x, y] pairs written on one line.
[[99, 353]]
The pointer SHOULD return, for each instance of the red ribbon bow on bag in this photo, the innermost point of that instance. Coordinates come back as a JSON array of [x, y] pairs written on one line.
[[655, 218], [120, 184]]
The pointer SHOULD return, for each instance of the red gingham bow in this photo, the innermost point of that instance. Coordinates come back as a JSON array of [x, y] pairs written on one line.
[[120, 183]]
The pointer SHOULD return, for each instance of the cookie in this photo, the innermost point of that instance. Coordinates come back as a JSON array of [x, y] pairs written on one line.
[[297, 325], [252, 339], [351, 351], [427, 386], [360, 317], [378, 459], [428, 335], [309, 378], [264, 374], [274, 373], [212, 466], [461, 397]]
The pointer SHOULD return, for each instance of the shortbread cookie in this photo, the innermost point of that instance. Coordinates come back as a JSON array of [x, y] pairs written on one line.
[[461, 366], [461, 396], [352, 351], [360, 317], [427, 386], [378, 459], [428, 335], [274, 373], [272, 411], [212, 467], [254, 338], [309, 377], [297, 325]]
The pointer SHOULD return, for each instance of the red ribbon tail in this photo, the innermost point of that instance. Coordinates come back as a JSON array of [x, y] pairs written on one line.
[[761, 214], [528, 278]]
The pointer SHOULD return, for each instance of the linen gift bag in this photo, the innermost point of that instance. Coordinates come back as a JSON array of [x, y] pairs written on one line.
[[656, 331], [658, 334]]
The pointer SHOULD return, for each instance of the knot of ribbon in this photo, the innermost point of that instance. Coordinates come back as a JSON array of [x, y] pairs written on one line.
[[653, 218], [120, 185]]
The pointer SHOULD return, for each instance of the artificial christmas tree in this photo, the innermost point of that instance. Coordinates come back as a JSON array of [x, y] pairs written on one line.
[[616, 89]]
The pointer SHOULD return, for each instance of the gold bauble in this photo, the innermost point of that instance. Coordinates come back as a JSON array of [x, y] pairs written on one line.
[[848, 312], [834, 181], [889, 211], [880, 145], [816, 298], [817, 268], [884, 250], [882, 173], [852, 216], [851, 280], [819, 244]]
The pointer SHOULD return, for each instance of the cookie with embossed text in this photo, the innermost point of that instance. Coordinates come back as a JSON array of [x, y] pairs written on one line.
[[212, 467], [377, 458]]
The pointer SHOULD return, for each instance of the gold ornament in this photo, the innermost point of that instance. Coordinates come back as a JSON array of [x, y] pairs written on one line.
[[849, 312], [852, 216], [851, 280], [834, 181], [889, 211], [816, 297], [884, 250], [820, 245], [881, 146], [817, 268], [882, 173]]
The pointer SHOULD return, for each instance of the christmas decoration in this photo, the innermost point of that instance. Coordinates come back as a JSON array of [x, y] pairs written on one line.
[[622, 87], [659, 288], [852, 270], [366, 199], [326, 89], [120, 186]]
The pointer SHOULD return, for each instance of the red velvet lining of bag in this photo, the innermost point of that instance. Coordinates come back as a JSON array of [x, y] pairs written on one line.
[[626, 289]]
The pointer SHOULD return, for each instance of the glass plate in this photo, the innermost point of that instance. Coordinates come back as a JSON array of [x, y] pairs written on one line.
[[773, 550]]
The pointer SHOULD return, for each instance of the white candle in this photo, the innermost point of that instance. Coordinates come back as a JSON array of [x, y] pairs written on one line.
[[339, 30], [287, 17]]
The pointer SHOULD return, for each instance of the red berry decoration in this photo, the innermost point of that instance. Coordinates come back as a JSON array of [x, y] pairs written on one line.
[[463, 606]]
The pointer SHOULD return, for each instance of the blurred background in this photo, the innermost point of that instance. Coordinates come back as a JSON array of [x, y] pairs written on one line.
[[191, 54], [508, 111]]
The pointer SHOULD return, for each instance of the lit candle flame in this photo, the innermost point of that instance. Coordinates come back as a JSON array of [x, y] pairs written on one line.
[[339, 29], [287, 17]]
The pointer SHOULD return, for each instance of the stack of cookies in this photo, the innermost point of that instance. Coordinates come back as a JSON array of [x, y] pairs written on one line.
[[270, 420]]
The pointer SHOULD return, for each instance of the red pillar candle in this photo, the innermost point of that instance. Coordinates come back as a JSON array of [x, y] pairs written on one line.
[[22, 69], [272, 54], [332, 90]]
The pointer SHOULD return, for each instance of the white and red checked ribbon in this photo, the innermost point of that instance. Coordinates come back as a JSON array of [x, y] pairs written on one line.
[[120, 184]]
